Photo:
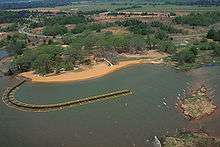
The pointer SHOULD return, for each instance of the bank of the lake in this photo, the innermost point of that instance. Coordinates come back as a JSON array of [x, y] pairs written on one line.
[[4, 61], [95, 71]]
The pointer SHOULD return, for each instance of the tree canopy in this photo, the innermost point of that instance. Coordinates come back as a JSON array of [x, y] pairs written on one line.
[[199, 19], [55, 30]]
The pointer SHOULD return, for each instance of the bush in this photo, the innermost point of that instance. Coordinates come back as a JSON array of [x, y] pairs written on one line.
[[213, 34], [162, 35], [10, 28], [15, 44], [164, 27], [206, 46], [79, 29], [63, 20], [167, 46], [217, 49], [91, 27], [187, 55], [217, 36], [136, 26], [55, 30]]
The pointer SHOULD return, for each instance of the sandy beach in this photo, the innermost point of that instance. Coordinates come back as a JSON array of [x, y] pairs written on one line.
[[96, 71]]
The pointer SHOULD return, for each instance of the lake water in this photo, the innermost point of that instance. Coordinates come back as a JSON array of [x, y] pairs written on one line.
[[123, 122], [3, 53]]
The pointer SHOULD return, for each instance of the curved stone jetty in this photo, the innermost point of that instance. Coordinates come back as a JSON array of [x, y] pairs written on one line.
[[10, 100]]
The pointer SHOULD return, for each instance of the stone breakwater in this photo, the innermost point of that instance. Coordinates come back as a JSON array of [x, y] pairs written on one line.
[[10, 100]]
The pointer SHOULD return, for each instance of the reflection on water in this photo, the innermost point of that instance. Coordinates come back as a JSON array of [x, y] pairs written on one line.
[[3, 53], [128, 121]]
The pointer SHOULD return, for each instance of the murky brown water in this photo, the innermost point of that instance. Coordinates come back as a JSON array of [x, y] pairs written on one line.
[[128, 121]]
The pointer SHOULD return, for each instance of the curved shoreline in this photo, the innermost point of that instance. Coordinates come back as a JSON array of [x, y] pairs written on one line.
[[97, 71]]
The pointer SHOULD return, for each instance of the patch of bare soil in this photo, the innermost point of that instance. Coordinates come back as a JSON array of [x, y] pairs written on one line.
[[45, 10], [4, 25], [70, 26], [38, 30], [132, 15], [3, 35]]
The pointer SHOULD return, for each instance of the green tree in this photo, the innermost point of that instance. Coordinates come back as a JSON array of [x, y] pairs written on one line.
[[185, 56], [217, 36], [136, 42], [217, 49], [211, 33], [16, 46], [73, 55], [24, 62], [152, 42], [42, 64], [55, 30], [162, 35], [194, 50], [167, 46]]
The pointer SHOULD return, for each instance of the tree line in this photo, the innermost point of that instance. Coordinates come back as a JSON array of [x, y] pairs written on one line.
[[62, 19], [48, 58], [139, 27], [13, 16], [199, 19]]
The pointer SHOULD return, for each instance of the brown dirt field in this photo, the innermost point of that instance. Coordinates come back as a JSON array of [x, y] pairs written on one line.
[[53, 10], [3, 35], [38, 30], [3, 25], [105, 18]]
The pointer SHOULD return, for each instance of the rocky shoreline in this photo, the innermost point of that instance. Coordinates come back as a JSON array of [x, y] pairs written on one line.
[[191, 139], [197, 105]]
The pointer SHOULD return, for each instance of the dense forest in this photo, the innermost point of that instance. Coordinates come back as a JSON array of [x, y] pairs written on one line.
[[21, 4], [199, 19], [13, 16], [32, 4]]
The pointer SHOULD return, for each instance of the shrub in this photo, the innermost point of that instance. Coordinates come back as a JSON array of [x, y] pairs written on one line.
[[55, 30], [217, 49], [185, 56]]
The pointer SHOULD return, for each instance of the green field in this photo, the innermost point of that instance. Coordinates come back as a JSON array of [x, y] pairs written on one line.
[[109, 6], [144, 7]]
